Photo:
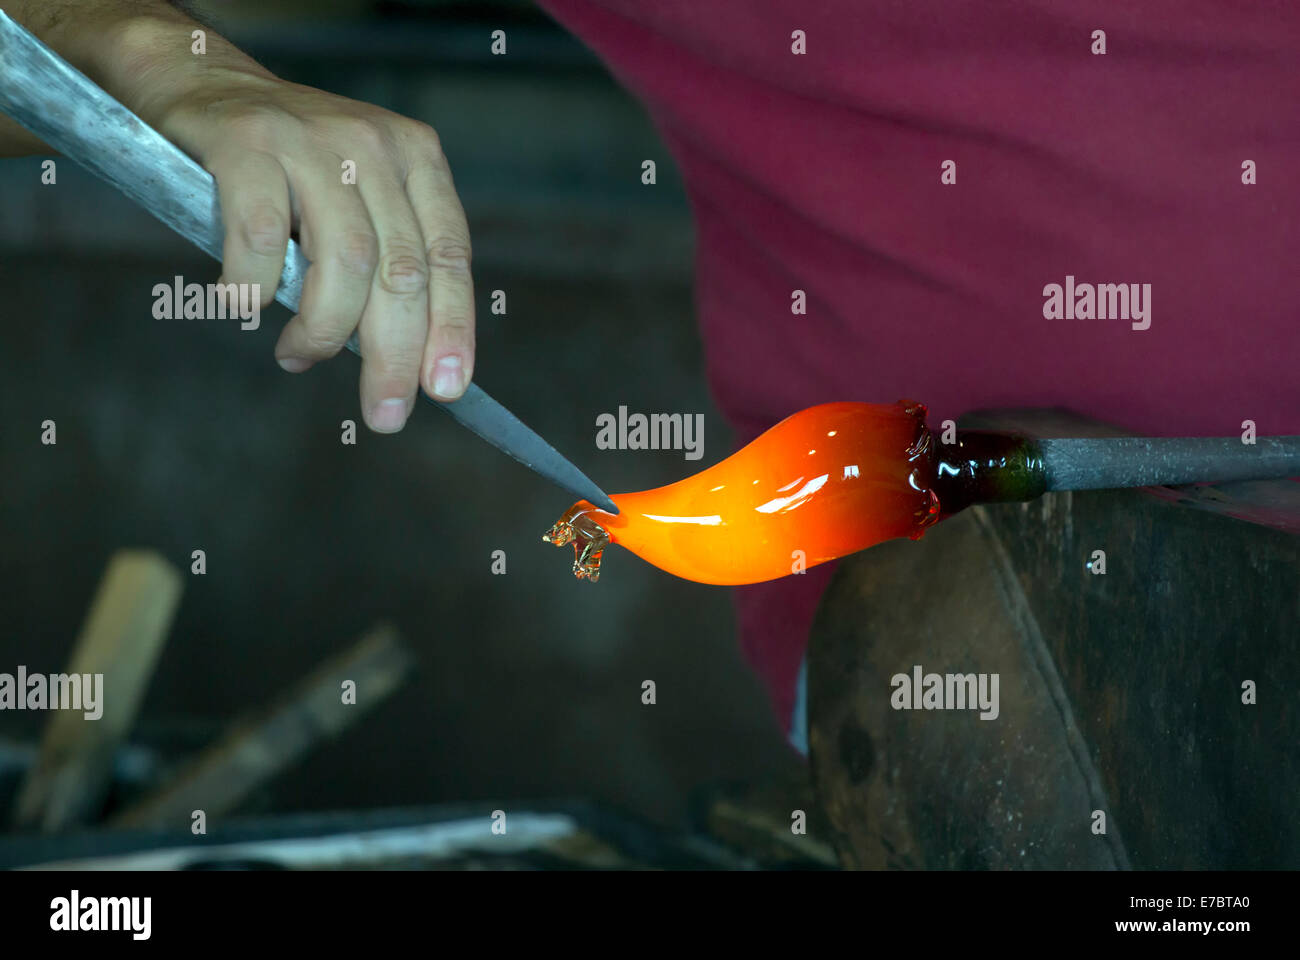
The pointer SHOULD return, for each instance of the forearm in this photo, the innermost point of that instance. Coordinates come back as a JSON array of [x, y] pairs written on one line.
[[140, 51]]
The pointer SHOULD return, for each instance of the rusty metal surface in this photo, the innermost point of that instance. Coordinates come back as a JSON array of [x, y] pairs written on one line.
[[945, 789], [1120, 691]]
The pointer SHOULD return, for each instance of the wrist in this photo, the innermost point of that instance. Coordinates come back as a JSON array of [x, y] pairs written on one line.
[[156, 67], [147, 58]]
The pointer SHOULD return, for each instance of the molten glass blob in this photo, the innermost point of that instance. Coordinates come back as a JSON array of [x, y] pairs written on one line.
[[823, 483]]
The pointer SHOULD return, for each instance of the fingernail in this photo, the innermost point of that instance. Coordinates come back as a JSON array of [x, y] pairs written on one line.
[[293, 364], [449, 377], [389, 416]]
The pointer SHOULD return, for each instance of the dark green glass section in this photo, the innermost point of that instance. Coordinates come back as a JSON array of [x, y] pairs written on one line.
[[986, 467]]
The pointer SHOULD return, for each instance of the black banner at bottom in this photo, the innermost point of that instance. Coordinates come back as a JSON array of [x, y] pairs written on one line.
[[334, 908]]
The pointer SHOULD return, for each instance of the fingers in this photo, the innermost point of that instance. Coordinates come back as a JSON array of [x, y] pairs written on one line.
[[254, 195], [339, 239], [394, 325], [369, 273], [389, 252], [448, 362]]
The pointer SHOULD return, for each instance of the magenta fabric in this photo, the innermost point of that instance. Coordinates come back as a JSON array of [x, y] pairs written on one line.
[[821, 172]]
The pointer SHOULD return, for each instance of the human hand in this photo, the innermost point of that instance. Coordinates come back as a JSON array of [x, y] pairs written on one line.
[[390, 252]]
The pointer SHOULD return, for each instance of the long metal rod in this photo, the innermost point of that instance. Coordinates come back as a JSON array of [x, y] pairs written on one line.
[[55, 101], [986, 466], [1095, 464]]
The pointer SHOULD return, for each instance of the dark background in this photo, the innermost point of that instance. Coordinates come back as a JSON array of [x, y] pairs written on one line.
[[179, 435]]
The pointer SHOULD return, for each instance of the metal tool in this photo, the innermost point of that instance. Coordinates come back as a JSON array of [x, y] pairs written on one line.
[[63, 107], [1093, 464], [989, 467]]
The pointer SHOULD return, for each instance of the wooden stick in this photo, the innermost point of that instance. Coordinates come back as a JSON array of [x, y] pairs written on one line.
[[258, 748], [123, 634]]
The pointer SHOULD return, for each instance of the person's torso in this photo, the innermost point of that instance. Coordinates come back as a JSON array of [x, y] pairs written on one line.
[[823, 172]]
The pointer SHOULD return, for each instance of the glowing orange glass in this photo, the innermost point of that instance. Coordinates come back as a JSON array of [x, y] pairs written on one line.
[[825, 482]]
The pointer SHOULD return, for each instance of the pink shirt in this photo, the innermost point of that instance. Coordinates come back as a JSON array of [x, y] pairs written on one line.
[[822, 172]]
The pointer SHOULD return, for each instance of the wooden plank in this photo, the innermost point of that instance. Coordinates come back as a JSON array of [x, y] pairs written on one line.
[[123, 634], [258, 748]]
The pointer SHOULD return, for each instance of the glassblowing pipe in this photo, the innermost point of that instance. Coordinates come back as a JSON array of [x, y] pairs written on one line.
[[840, 477]]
